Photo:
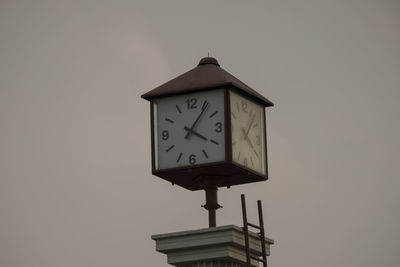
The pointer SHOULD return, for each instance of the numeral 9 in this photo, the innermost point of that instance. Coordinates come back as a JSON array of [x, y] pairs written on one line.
[[165, 135]]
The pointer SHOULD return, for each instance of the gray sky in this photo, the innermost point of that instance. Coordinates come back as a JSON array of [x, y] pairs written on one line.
[[75, 182]]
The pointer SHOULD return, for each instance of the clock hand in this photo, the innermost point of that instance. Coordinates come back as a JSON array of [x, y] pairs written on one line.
[[246, 132], [203, 108], [251, 122], [247, 138], [195, 133]]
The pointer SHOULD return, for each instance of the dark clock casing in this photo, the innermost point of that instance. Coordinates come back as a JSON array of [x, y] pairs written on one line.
[[208, 75]]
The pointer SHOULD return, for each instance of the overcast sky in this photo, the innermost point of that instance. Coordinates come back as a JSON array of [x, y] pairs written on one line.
[[75, 174]]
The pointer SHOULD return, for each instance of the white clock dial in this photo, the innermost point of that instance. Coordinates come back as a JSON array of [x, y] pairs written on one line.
[[248, 137], [189, 129]]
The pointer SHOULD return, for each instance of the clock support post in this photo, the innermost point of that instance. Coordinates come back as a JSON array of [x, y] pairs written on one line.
[[211, 203]]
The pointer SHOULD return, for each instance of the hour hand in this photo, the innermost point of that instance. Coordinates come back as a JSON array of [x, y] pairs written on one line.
[[194, 133]]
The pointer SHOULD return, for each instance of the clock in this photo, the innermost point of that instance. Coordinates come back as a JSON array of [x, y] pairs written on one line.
[[248, 133], [208, 129], [189, 129]]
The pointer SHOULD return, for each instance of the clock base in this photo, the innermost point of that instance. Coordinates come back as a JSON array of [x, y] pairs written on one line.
[[222, 174]]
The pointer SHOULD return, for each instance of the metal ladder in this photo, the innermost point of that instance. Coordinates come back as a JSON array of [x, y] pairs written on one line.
[[261, 234]]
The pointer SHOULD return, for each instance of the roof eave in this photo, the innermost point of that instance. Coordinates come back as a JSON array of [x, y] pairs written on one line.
[[150, 96]]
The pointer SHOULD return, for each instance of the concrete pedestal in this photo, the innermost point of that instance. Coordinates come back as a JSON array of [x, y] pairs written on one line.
[[221, 246]]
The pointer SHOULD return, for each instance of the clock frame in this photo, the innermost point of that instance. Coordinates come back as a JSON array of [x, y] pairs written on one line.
[[208, 76], [247, 132], [189, 129]]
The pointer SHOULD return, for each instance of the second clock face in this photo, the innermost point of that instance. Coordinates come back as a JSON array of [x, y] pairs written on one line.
[[248, 137], [189, 129]]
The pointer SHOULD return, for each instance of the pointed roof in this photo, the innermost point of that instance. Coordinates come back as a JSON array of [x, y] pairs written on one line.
[[208, 74]]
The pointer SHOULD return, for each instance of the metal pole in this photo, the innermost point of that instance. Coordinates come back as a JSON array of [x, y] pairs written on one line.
[[245, 230], [262, 233], [211, 204], [212, 220]]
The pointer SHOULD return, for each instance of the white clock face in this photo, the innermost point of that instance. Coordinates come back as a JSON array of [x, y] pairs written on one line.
[[248, 137], [189, 129]]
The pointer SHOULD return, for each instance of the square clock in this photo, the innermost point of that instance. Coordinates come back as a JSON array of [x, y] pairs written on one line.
[[213, 135]]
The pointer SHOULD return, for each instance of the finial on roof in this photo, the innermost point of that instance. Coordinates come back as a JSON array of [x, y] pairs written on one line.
[[208, 60]]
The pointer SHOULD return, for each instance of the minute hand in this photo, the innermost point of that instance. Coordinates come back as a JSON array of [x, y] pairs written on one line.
[[203, 108], [246, 137], [251, 123]]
